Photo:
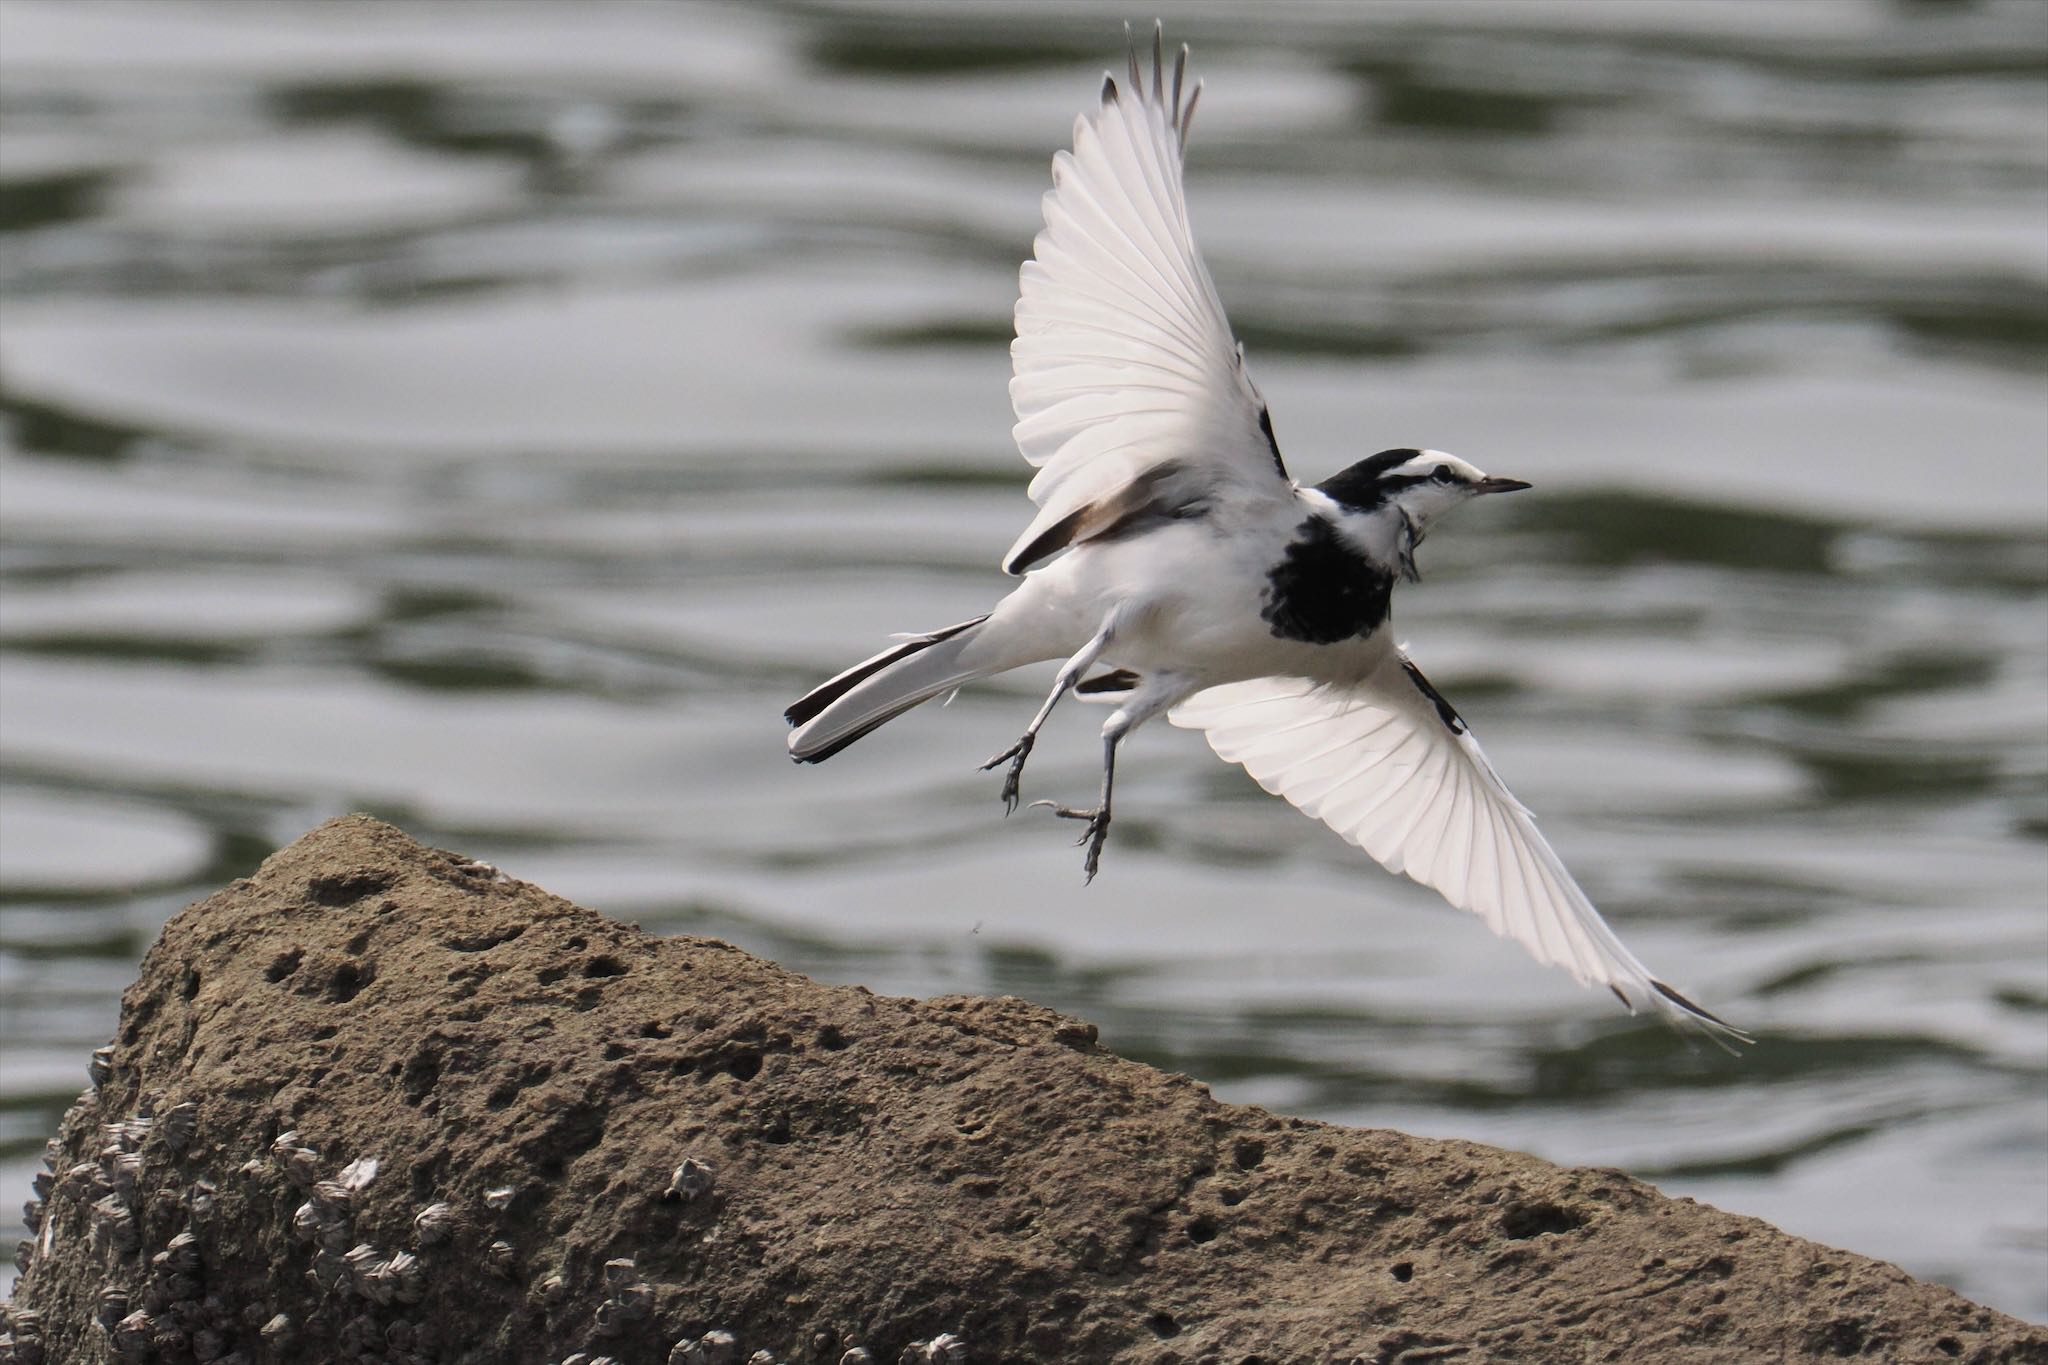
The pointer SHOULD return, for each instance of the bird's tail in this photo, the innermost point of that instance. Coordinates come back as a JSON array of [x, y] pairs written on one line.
[[876, 691]]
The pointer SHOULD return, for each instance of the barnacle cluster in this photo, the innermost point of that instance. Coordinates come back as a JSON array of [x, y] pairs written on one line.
[[943, 1349], [630, 1302], [117, 1203], [691, 1180], [137, 1203]]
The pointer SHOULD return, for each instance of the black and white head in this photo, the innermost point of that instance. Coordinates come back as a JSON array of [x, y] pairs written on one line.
[[1384, 504]]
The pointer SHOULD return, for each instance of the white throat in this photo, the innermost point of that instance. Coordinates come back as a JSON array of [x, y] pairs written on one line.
[[1387, 535]]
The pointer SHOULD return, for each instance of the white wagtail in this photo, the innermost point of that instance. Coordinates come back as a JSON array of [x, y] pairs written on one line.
[[1172, 548]]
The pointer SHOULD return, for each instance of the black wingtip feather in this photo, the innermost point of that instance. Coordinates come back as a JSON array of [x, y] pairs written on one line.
[[1713, 1025], [1690, 1008], [1723, 1034]]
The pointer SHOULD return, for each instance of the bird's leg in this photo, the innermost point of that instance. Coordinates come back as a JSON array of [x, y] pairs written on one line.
[[1154, 695], [1070, 673], [1098, 819]]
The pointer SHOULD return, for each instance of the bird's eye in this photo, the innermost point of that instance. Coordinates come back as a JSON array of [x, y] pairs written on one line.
[[1442, 473]]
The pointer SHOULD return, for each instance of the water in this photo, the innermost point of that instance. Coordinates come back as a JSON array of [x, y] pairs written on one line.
[[489, 416]]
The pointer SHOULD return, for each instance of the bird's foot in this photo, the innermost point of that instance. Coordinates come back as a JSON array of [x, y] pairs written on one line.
[[1014, 756], [1093, 836]]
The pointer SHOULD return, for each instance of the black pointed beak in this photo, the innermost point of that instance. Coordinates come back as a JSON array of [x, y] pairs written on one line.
[[1493, 485]]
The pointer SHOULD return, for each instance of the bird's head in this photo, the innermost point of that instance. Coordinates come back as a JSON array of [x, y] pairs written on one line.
[[1385, 503]]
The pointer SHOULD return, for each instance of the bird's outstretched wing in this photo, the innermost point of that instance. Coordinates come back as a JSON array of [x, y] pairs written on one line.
[[1391, 767], [1130, 390]]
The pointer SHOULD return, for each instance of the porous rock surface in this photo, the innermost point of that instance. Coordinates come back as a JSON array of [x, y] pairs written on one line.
[[881, 1172]]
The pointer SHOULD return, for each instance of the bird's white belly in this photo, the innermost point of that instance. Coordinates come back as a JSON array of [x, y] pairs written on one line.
[[1191, 603]]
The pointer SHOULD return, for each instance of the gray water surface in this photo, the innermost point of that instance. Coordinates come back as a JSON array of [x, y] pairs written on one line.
[[490, 415]]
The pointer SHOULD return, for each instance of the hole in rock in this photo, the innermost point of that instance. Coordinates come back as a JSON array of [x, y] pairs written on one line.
[[1537, 1217], [346, 888], [348, 981]]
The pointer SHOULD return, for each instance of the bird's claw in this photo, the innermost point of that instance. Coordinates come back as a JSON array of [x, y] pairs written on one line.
[[1014, 756], [1093, 836]]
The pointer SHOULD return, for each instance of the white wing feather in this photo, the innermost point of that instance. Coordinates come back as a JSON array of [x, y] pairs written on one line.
[[1124, 360], [1381, 766]]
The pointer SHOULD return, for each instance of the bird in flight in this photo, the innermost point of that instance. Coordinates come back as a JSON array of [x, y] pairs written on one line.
[[1173, 551]]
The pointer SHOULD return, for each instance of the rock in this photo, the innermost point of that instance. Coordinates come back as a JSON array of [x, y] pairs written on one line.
[[970, 1177]]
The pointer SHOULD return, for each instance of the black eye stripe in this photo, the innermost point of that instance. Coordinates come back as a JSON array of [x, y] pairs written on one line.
[[1371, 482]]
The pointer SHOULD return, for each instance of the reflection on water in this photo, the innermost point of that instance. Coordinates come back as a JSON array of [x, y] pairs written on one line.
[[491, 422]]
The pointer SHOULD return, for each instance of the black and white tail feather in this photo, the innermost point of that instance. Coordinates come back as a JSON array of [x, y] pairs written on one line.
[[876, 691], [1133, 401]]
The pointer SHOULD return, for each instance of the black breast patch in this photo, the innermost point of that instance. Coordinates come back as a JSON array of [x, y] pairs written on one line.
[[1323, 591]]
